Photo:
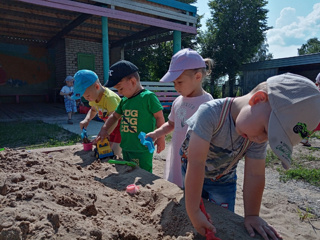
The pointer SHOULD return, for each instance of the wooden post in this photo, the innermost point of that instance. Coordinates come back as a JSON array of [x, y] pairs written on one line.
[[176, 41], [105, 49]]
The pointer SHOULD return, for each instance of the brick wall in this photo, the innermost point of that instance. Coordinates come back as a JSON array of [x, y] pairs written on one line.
[[60, 62], [73, 47]]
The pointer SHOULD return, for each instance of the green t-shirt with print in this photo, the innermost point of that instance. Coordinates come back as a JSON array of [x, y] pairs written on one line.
[[137, 116]]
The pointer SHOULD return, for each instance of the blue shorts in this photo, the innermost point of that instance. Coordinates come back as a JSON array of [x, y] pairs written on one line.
[[70, 105], [221, 192]]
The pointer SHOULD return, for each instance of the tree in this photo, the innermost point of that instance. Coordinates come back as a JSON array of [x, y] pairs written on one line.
[[153, 61], [235, 33], [262, 54], [312, 46]]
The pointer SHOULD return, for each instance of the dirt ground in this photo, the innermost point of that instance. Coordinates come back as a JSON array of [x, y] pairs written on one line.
[[65, 193]]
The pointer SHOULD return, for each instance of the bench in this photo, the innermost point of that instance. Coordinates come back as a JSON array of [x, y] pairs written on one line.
[[165, 92]]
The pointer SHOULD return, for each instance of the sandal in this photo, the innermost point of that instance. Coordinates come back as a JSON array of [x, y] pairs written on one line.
[[306, 144]]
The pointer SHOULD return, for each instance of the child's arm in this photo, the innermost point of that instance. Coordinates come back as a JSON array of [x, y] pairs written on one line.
[[166, 128], [108, 126], [197, 155], [90, 115], [65, 94], [254, 180], [160, 142], [112, 127]]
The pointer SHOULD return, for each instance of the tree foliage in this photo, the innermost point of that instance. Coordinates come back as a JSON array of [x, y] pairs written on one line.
[[235, 33], [262, 54], [312, 46], [153, 61]]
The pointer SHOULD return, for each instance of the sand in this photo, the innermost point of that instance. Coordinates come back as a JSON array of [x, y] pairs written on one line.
[[65, 193]]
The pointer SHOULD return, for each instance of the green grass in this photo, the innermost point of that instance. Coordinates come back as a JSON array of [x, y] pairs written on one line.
[[309, 175], [310, 158], [168, 136], [305, 215], [314, 149], [298, 170], [271, 158], [35, 134], [315, 135], [166, 114]]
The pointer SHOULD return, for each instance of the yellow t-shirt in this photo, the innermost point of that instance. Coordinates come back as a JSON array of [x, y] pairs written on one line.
[[107, 104]]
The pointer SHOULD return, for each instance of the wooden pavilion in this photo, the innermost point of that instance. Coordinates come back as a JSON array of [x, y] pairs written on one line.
[[254, 73], [43, 41]]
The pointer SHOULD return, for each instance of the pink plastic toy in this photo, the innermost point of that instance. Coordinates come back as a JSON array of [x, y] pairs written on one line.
[[209, 234], [132, 189], [87, 146]]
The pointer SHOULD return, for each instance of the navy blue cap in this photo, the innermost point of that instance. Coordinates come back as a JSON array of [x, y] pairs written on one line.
[[120, 70]]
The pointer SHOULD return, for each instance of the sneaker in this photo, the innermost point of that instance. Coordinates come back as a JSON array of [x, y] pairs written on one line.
[[70, 121], [305, 143]]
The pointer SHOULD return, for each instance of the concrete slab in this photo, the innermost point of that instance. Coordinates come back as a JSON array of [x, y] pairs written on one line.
[[92, 130]]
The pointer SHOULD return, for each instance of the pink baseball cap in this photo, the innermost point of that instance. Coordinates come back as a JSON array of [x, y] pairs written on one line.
[[183, 60], [318, 78]]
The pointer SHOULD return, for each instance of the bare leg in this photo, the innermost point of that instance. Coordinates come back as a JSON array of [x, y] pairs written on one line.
[[116, 149], [69, 118]]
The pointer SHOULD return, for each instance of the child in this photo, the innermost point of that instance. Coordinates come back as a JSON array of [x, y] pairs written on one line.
[[224, 130], [318, 81], [141, 111], [305, 141], [102, 100], [69, 103], [187, 70]]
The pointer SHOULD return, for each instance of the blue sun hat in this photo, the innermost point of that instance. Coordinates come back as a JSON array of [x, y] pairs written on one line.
[[82, 80], [69, 78]]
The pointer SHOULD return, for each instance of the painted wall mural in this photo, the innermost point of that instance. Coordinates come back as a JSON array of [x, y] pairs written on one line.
[[25, 69]]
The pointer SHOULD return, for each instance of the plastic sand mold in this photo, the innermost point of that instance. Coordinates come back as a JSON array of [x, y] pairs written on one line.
[[132, 189], [84, 136], [131, 164], [146, 141]]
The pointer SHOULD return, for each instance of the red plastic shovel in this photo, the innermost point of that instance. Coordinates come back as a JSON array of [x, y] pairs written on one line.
[[209, 234]]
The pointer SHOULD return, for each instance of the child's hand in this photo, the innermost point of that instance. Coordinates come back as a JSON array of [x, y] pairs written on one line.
[[161, 144], [201, 223], [152, 135], [84, 124], [262, 227], [102, 135]]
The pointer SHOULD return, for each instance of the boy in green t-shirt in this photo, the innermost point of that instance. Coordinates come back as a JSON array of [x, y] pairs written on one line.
[[140, 111]]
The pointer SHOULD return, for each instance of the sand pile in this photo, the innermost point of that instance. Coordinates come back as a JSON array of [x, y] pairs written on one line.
[[65, 193]]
